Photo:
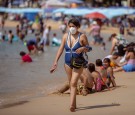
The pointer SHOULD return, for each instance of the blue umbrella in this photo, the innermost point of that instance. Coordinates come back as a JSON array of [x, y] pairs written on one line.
[[82, 12], [2, 9], [70, 11], [31, 10], [15, 10], [60, 10], [118, 12]]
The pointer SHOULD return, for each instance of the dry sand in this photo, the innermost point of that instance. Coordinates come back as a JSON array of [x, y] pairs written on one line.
[[119, 101]]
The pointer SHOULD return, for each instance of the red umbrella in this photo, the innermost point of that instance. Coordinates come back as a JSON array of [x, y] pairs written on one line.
[[95, 15]]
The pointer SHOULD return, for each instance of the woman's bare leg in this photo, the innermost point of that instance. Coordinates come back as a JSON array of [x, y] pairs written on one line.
[[68, 72], [73, 87]]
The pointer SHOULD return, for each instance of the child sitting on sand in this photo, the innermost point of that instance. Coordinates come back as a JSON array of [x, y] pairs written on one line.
[[25, 57], [96, 76], [100, 68], [109, 69], [98, 80], [113, 58]]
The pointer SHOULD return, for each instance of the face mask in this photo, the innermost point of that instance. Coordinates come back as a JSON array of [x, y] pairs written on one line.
[[72, 30]]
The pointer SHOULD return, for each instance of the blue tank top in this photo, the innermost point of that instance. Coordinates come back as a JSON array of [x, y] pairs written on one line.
[[73, 49]]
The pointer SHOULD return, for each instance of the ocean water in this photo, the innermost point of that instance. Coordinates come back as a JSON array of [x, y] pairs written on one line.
[[21, 82]]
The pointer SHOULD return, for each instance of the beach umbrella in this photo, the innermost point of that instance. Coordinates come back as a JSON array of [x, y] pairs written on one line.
[[31, 10], [81, 12], [95, 15], [60, 10], [70, 11]]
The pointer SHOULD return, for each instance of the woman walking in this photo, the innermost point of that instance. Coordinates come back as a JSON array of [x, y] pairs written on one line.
[[75, 44]]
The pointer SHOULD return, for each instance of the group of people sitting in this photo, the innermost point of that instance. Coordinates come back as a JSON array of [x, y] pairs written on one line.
[[99, 76], [95, 78]]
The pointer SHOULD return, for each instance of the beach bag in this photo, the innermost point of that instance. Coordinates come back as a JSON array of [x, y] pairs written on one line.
[[77, 62]]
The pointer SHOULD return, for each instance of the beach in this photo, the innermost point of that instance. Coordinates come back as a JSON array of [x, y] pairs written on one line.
[[24, 88], [119, 101]]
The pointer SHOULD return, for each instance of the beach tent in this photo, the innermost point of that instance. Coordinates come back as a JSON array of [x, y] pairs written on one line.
[[30, 16]]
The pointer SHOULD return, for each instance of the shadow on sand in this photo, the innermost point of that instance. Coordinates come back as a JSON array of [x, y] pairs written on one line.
[[97, 106], [13, 104]]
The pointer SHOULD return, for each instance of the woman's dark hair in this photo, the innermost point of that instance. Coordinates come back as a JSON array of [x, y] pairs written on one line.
[[75, 22], [113, 35], [22, 53], [99, 62], [91, 67], [131, 44], [131, 49], [115, 54], [107, 60]]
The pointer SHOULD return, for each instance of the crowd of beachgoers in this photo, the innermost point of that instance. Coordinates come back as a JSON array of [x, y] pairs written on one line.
[[96, 76]]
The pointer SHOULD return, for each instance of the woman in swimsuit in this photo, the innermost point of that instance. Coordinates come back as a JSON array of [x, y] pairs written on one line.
[[76, 42], [130, 64]]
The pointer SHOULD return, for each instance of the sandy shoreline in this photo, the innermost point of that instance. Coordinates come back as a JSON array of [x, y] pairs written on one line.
[[119, 101]]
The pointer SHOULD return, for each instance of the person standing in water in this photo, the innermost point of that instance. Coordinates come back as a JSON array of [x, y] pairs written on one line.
[[78, 43]]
